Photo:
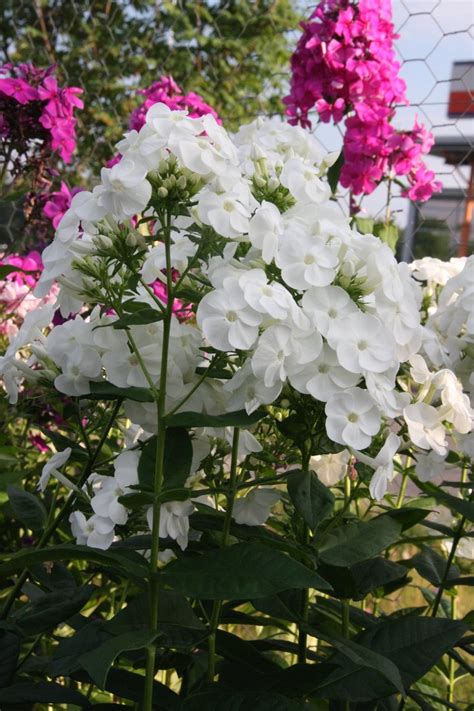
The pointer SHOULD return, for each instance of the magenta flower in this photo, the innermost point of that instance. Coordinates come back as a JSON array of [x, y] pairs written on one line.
[[58, 202], [345, 66]]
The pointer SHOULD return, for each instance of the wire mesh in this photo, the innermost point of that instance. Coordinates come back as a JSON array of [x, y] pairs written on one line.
[[236, 54]]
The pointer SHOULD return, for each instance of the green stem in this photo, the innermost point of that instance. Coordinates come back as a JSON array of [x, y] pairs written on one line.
[[345, 620], [66, 508], [403, 485], [154, 586], [347, 490], [451, 661], [217, 605], [302, 636], [456, 538]]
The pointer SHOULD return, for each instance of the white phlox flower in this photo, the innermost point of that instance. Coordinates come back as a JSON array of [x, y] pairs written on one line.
[[174, 521], [383, 464], [125, 191], [95, 532], [325, 306], [304, 182], [52, 467], [254, 508], [425, 427], [282, 351], [362, 343], [226, 319], [323, 376], [352, 418], [105, 503], [305, 260], [224, 212], [330, 468], [248, 392], [155, 262], [265, 230]]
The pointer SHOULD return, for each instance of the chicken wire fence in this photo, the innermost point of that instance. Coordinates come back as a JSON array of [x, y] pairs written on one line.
[[236, 54]]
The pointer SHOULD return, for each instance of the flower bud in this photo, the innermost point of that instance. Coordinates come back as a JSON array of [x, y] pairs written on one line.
[[162, 193]]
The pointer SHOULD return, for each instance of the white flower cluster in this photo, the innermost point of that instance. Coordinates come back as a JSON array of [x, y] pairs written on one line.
[[293, 296]]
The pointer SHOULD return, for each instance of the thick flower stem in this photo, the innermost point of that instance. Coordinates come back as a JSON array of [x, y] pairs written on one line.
[[451, 661], [217, 605], [154, 586], [302, 635], [403, 486]]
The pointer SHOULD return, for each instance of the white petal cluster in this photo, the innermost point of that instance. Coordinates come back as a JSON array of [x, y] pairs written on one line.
[[290, 296]]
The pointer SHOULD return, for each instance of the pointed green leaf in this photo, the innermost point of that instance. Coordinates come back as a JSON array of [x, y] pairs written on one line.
[[313, 501], [98, 661], [27, 508], [244, 570]]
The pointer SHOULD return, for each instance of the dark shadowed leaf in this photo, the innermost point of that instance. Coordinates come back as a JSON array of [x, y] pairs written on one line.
[[461, 506], [228, 701], [9, 651], [98, 661], [45, 692], [335, 171], [125, 562], [27, 508], [359, 540], [177, 459], [106, 391], [415, 644], [245, 570], [46, 612], [313, 501], [238, 418], [431, 565], [138, 317], [65, 660]]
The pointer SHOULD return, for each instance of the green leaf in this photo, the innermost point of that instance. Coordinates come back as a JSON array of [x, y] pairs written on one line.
[[243, 653], [6, 269], [98, 661], [9, 650], [244, 701], [65, 660], [173, 609], [244, 570], [365, 225], [27, 508], [461, 506], [359, 540], [238, 418], [46, 692], [140, 317], [432, 566], [313, 501], [106, 391], [415, 644], [364, 577], [177, 459], [125, 562], [363, 657], [389, 234], [46, 612], [334, 172]]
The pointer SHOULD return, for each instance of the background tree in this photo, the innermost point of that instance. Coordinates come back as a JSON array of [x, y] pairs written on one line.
[[233, 52]]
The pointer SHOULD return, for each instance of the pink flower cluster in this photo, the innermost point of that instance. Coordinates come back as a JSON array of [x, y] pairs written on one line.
[[16, 291], [34, 108], [345, 66], [168, 92], [58, 202]]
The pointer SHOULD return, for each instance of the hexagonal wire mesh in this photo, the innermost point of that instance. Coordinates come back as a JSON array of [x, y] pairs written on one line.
[[236, 55]]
